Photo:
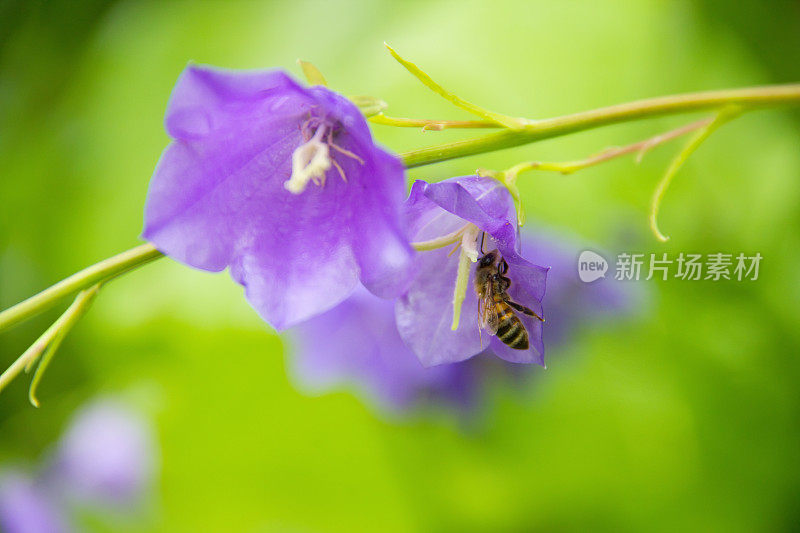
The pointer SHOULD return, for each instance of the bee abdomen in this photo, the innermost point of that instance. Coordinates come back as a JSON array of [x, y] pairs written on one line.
[[511, 331]]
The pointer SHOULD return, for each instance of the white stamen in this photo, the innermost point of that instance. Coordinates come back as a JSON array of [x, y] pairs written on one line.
[[469, 242], [310, 162]]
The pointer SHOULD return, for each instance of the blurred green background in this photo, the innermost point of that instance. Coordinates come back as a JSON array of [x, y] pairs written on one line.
[[686, 418]]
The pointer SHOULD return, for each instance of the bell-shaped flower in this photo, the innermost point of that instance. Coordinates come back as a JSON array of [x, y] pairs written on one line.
[[356, 346], [107, 456], [477, 214], [284, 185]]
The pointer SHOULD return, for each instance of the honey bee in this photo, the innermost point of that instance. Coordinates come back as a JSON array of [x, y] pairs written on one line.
[[495, 306]]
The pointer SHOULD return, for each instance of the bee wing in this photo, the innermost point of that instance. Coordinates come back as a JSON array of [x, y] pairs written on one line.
[[488, 312], [522, 309]]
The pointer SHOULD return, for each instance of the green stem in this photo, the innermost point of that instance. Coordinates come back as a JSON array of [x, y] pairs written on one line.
[[751, 98], [430, 125], [46, 346], [51, 339], [724, 116], [101, 271]]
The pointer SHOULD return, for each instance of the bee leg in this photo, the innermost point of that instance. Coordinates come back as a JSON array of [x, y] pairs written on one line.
[[505, 283], [502, 266], [480, 328], [523, 309]]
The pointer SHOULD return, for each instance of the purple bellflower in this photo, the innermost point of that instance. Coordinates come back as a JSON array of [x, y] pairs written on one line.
[[356, 345], [282, 184], [107, 456], [28, 507], [474, 212], [105, 461]]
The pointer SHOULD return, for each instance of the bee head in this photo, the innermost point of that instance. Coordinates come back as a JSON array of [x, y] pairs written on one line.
[[488, 259]]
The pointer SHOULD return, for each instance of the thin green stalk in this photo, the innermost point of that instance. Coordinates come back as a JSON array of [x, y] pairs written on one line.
[[749, 98], [101, 271], [691, 146], [503, 120], [568, 167], [63, 324], [430, 125], [61, 327], [440, 242]]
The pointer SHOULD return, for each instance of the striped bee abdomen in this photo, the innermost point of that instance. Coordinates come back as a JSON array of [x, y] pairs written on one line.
[[509, 328], [495, 305]]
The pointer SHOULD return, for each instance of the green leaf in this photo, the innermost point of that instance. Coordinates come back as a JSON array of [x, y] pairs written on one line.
[[312, 73], [369, 105]]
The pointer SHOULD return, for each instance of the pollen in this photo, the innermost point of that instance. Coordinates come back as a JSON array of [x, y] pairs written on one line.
[[310, 161]]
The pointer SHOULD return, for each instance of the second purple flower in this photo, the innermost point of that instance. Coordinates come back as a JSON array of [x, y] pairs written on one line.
[[476, 215]]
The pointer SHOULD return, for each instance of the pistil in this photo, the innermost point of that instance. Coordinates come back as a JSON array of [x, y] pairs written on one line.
[[468, 255]]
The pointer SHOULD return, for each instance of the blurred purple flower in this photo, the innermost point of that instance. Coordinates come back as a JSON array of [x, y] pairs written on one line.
[[424, 313], [571, 302], [107, 455], [357, 344], [27, 507], [284, 185], [105, 460]]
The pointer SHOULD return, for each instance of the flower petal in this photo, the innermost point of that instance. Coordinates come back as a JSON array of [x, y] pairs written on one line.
[[204, 98], [379, 241], [424, 313], [288, 280], [482, 201]]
